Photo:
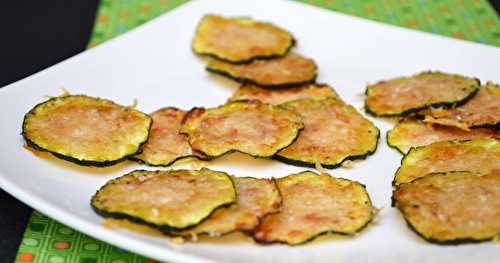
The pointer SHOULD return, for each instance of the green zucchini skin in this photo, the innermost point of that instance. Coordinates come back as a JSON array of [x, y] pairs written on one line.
[[246, 61], [81, 161], [359, 229], [452, 242], [415, 110], [135, 159], [165, 229], [408, 112], [77, 161], [329, 166], [209, 156], [392, 145], [267, 86], [394, 183], [237, 230]]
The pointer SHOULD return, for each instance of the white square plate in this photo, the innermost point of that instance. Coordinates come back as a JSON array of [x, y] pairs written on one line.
[[155, 64]]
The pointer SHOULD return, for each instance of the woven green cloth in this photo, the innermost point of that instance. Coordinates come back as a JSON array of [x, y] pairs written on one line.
[[46, 240]]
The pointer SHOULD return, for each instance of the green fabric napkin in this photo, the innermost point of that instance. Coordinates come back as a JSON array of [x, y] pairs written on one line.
[[46, 240]]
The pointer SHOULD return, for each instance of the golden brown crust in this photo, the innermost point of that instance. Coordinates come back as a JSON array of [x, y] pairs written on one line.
[[482, 110], [412, 133], [401, 96], [315, 204], [165, 144], [247, 126], [291, 69], [333, 132], [240, 40], [279, 96], [452, 207], [86, 130], [255, 199], [479, 155]]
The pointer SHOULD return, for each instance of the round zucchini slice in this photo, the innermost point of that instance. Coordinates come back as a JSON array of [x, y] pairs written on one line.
[[333, 132], [313, 205], [256, 198], [289, 70], [86, 130], [412, 133], [402, 96], [279, 96], [240, 39], [168, 200], [249, 127], [165, 145], [453, 207], [479, 155], [482, 110]]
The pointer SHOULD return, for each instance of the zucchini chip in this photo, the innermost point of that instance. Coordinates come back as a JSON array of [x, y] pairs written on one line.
[[452, 208], [240, 39], [249, 127], [165, 145], [279, 96], [86, 130], [483, 110], [168, 200], [291, 69], [333, 132], [256, 198], [479, 155], [402, 96], [313, 205], [412, 133]]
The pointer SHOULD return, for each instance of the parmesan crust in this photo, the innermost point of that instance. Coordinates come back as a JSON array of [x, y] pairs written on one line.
[[86, 130], [291, 69], [333, 132], [282, 95], [413, 133], [401, 96], [240, 39], [452, 207], [247, 126], [479, 155], [315, 204], [170, 200], [483, 110], [165, 145], [256, 198]]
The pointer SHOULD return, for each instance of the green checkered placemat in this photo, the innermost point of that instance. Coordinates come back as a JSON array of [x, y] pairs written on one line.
[[46, 240]]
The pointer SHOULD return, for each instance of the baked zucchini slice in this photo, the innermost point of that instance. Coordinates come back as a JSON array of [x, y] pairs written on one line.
[[168, 200], [483, 110], [256, 198], [453, 207], [412, 132], [249, 127], [333, 132], [479, 155], [289, 70], [313, 205], [240, 39], [402, 96], [279, 96], [86, 130], [165, 145]]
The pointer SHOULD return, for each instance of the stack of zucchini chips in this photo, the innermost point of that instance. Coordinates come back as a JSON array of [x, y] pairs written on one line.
[[448, 184], [278, 112]]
